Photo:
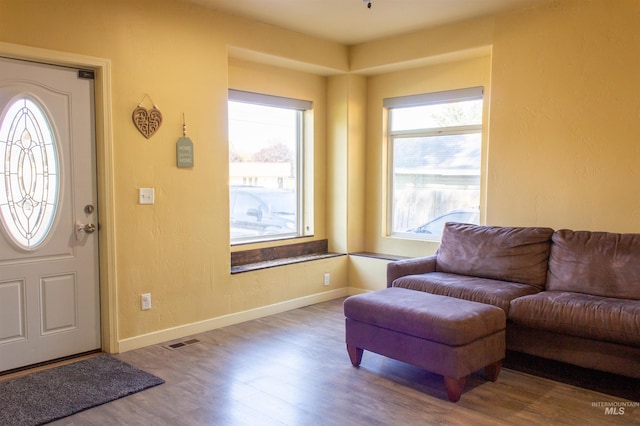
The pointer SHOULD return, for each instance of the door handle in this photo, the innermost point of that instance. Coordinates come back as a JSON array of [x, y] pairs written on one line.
[[82, 228]]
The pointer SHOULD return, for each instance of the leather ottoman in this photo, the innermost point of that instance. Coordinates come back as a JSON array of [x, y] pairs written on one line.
[[444, 335]]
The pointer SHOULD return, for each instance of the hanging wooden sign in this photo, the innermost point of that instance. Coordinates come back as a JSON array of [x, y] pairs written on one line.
[[184, 149], [147, 121]]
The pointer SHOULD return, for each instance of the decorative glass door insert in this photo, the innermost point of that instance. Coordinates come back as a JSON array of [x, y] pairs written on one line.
[[29, 176]]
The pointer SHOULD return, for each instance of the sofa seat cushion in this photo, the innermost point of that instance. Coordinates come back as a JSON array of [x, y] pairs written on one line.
[[483, 290], [599, 263], [500, 253], [582, 315]]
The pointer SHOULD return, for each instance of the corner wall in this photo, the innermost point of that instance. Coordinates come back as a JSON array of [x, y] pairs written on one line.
[[562, 136]]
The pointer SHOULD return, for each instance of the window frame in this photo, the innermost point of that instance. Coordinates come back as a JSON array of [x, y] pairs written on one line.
[[301, 107], [425, 99]]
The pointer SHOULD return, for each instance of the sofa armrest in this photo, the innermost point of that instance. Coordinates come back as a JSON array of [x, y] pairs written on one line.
[[418, 265]]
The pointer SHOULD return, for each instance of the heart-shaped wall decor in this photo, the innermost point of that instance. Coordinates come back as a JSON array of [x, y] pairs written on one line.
[[147, 121]]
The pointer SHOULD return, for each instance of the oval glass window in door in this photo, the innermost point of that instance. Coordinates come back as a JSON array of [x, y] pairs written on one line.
[[29, 175]]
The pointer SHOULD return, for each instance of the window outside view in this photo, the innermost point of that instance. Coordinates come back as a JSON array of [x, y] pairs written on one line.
[[264, 144], [435, 160]]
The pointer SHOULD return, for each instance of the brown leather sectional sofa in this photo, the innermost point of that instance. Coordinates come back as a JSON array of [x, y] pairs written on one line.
[[571, 296]]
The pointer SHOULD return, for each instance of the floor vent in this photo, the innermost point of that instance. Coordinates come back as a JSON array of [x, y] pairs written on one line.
[[179, 345]]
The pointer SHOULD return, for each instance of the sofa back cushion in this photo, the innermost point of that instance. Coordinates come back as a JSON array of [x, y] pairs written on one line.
[[598, 263], [500, 253]]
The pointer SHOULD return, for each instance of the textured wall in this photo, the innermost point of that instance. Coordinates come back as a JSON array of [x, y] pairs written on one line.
[[178, 249], [562, 133], [561, 130], [565, 109]]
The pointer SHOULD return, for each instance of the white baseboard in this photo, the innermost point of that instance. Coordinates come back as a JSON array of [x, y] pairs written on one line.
[[353, 291], [168, 334]]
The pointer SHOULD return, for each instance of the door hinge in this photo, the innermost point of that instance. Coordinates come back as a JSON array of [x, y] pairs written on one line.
[[86, 74]]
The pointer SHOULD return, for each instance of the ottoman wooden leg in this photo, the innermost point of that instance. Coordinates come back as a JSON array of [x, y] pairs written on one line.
[[454, 387], [355, 354], [492, 371]]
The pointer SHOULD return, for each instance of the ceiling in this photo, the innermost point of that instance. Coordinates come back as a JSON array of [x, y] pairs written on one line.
[[351, 21]]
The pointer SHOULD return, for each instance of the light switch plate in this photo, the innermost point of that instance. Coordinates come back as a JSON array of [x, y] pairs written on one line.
[[146, 195]]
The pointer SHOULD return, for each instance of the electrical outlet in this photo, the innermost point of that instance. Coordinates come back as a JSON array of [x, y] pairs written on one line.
[[327, 279], [145, 301]]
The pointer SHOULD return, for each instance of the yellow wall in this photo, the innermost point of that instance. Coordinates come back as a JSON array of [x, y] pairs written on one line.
[[444, 76], [346, 164], [561, 135], [447, 43], [561, 131], [177, 53], [272, 286], [565, 110]]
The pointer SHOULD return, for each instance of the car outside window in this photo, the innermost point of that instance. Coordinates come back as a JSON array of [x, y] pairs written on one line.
[[261, 212], [435, 145]]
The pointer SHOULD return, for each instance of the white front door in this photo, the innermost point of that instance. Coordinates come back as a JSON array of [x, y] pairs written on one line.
[[49, 287]]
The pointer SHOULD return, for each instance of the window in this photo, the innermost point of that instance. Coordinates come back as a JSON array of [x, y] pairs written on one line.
[[435, 144], [265, 166]]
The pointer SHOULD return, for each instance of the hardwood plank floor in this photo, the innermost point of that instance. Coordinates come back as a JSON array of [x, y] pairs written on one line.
[[293, 369]]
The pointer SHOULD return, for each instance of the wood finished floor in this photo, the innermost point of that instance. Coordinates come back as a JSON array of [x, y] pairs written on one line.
[[293, 369]]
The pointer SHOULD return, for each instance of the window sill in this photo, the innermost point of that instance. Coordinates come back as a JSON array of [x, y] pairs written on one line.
[[378, 255], [281, 262], [269, 257]]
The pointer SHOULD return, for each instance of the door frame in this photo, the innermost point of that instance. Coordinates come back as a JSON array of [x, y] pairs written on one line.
[[104, 170]]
